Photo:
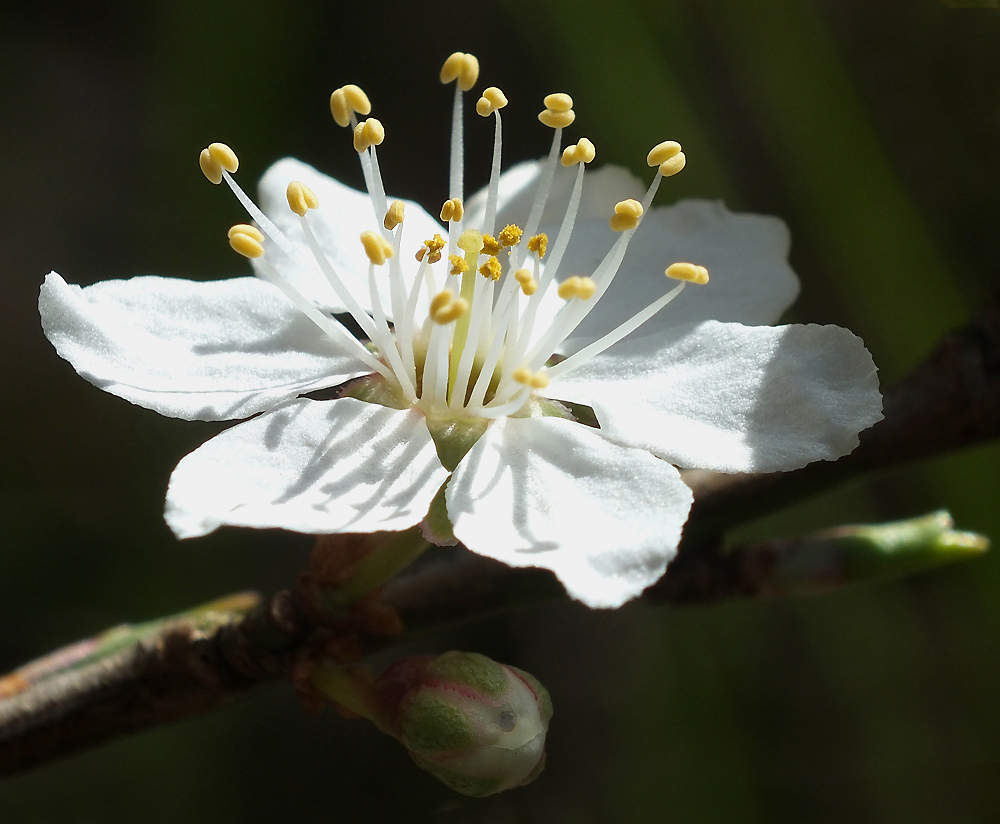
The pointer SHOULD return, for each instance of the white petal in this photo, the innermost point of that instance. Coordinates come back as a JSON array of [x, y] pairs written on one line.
[[746, 256], [546, 492], [343, 214], [733, 398], [202, 351], [310, 466]]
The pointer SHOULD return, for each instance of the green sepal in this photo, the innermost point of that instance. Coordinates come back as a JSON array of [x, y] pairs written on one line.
[[436, 527], [472, 669], [431, 725]]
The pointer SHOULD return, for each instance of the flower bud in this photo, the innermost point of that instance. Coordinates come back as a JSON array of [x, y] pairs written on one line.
[[476, 725], [827, 560]]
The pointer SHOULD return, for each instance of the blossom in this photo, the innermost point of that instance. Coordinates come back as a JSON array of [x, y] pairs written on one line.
[[521, 390]]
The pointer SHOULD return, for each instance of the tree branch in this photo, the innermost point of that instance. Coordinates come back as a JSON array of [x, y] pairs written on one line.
[[201, 660]]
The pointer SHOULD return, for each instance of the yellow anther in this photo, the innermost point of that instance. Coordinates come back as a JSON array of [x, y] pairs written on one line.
[[440, 301], [357, 99], [464, 67], [491, 100], [300, 198], [246, 240], [215, 158], [376, 247], [491, 246], [394, 216], [673, 165], [557, 120], [582, 152], [445, 307], [368, 133], [662, 152], [536, 380], [491, 269], [626, 216], [224, 156], [528, 284], [452, 210], [458, 264], [247, 229], [339, 109], [577, 287], [690, 272], [510, 235], [347, 100], [433, 257], [538, 244], [209, 168], [471, 241], [558, 102]]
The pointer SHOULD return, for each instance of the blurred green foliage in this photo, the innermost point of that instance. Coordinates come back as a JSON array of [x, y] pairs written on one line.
[[871, 128]]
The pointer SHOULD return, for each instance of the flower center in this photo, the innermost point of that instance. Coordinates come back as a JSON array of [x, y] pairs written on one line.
[[471, 329]]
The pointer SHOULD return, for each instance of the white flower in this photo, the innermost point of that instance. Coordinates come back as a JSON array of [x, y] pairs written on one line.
[[462, 387]]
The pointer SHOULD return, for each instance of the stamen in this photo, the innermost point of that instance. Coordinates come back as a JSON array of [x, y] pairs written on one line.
[[458, 265], [405, 324], [379, 250], [671, 160], [492, 100], [585, 149], [668, 157], [577, 287], [432, 248], [538, 244], [490, 103], [536, 380], [394, 215], [446, 308], [452, 210], [558, 112], [510, 235], [215, 158], [347, 100], [376, 247], [218, 160], [368, 133], [247, 240], [362, 318], [491, 246], [466, 342], [464, 68], [684, 272], [690, 272], [626, 216], [300, 198], [336, 331], [582, 152], [528, 284], [491, 270], [508, 408], [544, 185]]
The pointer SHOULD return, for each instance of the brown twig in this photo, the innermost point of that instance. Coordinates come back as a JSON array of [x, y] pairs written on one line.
[[181, 668]]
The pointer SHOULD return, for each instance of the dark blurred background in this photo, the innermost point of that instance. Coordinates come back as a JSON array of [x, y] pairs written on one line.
[[871, 126]]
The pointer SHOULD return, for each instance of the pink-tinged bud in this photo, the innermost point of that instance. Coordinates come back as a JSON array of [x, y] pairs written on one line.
[[474, 724]]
